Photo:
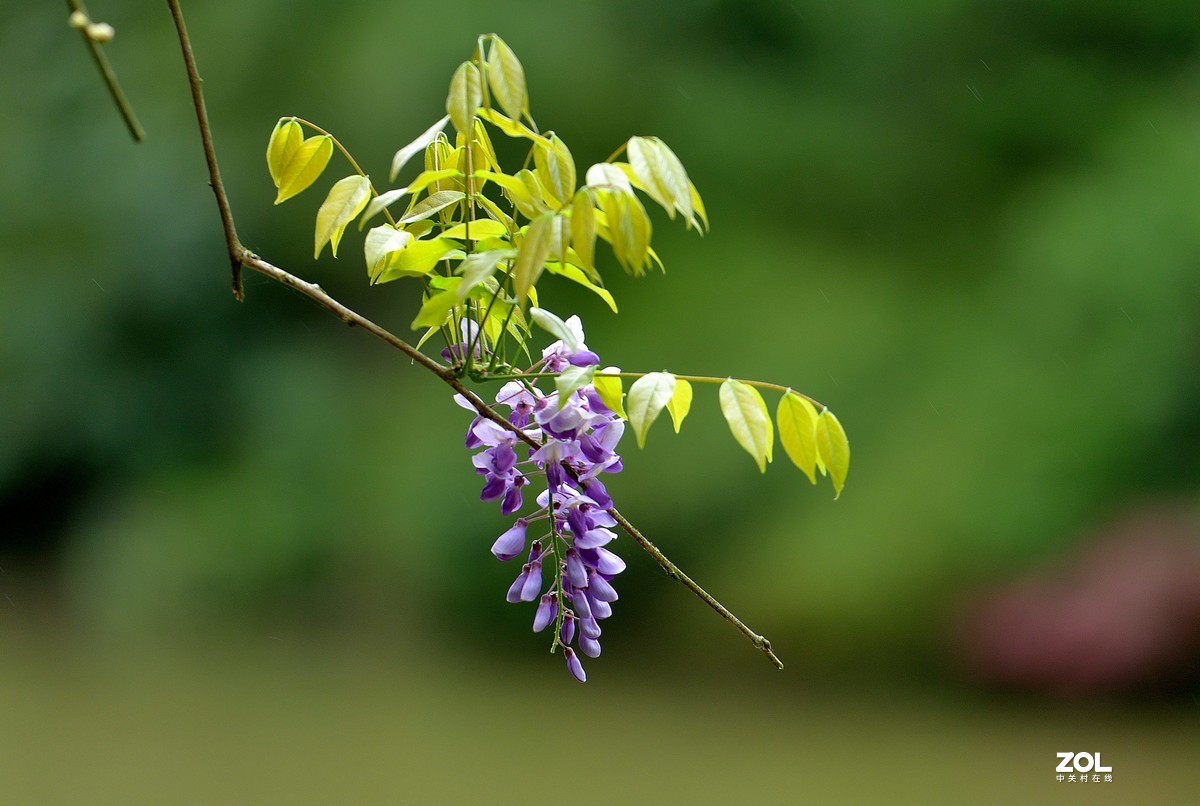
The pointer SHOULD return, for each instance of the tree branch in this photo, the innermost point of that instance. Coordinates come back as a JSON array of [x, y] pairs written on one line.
[[241, 257], [93, 41]]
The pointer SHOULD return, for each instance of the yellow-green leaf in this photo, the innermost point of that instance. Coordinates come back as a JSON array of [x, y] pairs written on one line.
[[606, 176], [511, 127], [532, 254], [436, 309], [648, 396], [478, 267], [583, 228], [610, 389], [680, 403], [304, 166], [466, 96], [748, 420], [628, 229], [409, 151], [433, 204], [346, 199], [506, 77], [698, 209], [570, 379], [575, 274], [285, 139], [381, 242], [556, 168], [651, 171], [417, 259], [420, 183], [480, 229], [798, 432], [674, 178], [833, 448]]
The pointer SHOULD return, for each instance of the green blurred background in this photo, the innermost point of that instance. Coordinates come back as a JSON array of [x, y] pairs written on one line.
[[243, 557]]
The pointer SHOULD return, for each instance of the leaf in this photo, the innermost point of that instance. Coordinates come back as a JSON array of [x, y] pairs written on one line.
[[575, 274], [346, 199], [304, 166], [583, 228], [628, 228], [510, 127], [698, 207], [606, 176], [798, 432], [570, 379], [478, 267], [550, 323], [680, 403], [437, 308], [518, 192], [609, 387], [834, 449], [556, 168], [466, 96], [647, 397], [506, 77], [382, 242], [480, 229], [748, 419], [675, 179], [532, 254], [412, 149], [285, 139], [422, 181], [431, 205], [417, 259], [648, 166]]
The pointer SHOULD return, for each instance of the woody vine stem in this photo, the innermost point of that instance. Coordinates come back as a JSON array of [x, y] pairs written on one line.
[[242, 258]]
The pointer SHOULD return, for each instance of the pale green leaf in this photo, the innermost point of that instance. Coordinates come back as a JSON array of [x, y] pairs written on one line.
[[674, 179], [556, 168], [833, 448], [532, 254], [285, 139], [431, 205], [610, 389], [517, 191], [465, 97], [479, 267], [304, 166], [698, 207], [422, 181], [648, 166], [381, 242], [480, 229], [346, 200], [436, 309], [680, 403], [556, 327], [749, 420], [628, 229], [417, 259], [511, 127], [412, 149], [575, 274], [570, 379], [798, 432], [606, 176], [583, 228], [506, 77], [648, 396]]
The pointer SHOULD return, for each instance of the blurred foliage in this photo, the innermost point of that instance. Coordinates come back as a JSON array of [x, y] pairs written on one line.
[[991, 213]]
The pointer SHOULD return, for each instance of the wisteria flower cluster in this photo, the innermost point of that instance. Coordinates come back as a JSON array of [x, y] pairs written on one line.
[[578, 436]]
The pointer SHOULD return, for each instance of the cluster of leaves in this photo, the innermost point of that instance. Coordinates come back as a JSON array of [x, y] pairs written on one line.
[[494, 234], [815, 442]]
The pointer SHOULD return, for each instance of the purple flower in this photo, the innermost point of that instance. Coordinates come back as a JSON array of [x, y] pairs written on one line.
[[577, 442]]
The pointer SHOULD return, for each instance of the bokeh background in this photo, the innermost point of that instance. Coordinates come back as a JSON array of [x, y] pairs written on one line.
[[242, 557]]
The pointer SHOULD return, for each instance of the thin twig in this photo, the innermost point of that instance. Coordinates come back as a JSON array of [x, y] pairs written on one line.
[[243, 257], [210, 155], [110, 76]]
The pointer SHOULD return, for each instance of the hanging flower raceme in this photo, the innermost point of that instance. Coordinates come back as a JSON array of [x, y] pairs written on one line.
[[569, 568]]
